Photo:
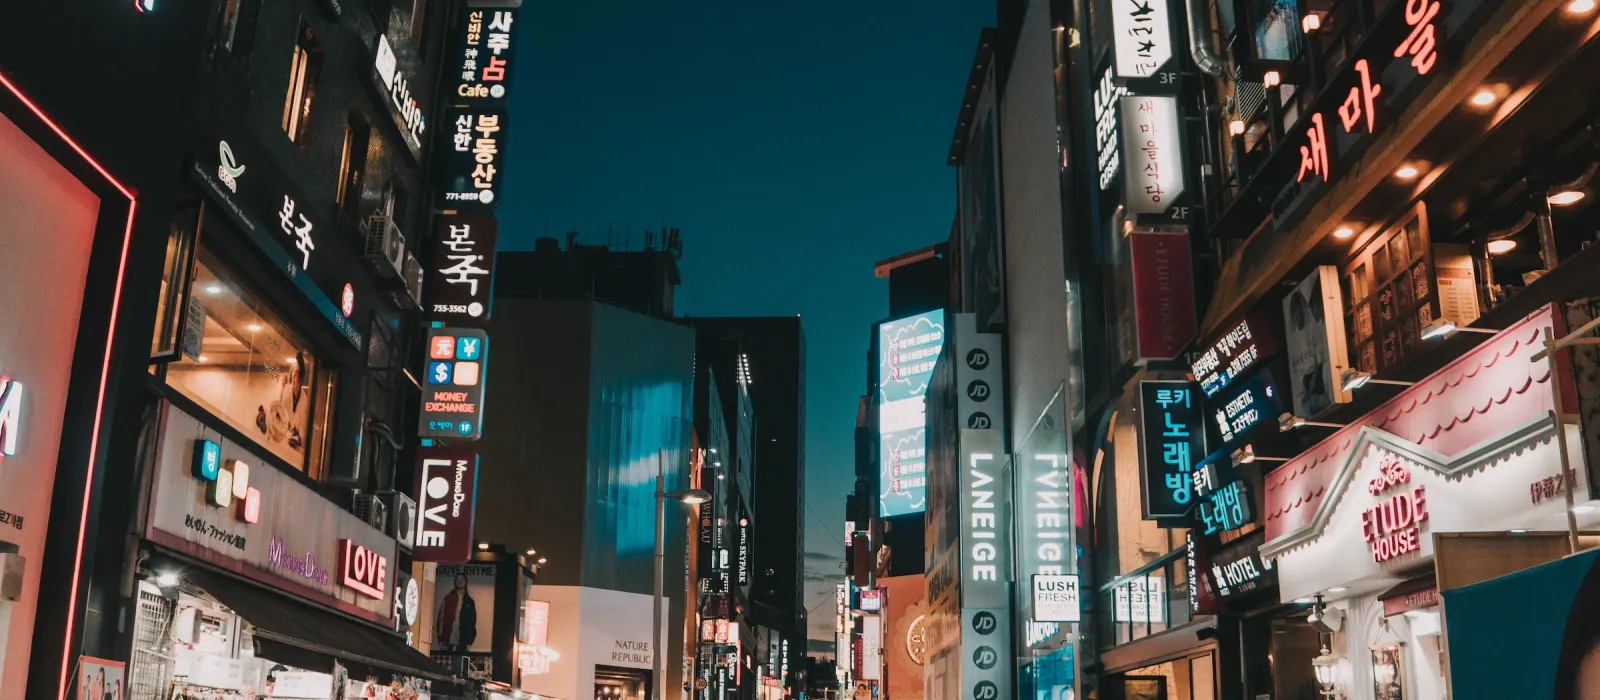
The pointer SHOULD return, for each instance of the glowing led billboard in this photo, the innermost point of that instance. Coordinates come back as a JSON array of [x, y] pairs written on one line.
[[907, 351]]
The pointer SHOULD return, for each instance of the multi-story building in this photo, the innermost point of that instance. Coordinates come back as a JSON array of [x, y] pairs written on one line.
[[582, 426], [264, 168], [774, 348]]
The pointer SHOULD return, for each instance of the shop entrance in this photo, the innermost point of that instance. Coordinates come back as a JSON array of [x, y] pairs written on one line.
[[612, 683], [1192, 678]]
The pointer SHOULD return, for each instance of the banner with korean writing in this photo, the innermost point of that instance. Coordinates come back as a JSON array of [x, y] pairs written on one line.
[[470, 158], [1172, 440], [1223, 502], [1151, 153], [480, 72], [460, 285], [1143, 36]]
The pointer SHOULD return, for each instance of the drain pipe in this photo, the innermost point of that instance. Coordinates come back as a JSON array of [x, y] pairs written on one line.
[[1199, 46]]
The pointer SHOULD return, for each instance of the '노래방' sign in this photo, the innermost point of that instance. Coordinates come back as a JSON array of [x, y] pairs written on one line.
[[1172, 440]]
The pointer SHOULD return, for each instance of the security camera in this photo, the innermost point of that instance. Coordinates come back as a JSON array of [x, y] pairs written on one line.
[[1326, 620]]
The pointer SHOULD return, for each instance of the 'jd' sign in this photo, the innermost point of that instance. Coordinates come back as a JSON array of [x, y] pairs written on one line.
[[224, 485]]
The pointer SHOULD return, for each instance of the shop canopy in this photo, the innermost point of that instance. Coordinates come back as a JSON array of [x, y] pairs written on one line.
[[302, 635]]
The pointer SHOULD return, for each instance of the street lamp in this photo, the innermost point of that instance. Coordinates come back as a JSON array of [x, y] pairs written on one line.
[[1327, 667], [691, 497]]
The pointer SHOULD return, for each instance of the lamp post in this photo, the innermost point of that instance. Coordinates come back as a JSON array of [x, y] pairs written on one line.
[[691, 497]]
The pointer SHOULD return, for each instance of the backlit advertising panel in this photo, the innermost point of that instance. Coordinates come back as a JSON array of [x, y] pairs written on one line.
[[461, 279], [907, 351], [481, 69], [452, 383], [446, 492]]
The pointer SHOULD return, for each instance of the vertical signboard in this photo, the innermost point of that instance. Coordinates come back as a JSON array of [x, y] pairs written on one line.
[[872, 648], [1172, 439], [395, 85], [481, 73], [1107, 147], [907, 351], [470, 159], [985, 654], [460, 285], [1313, 321], [1151, 150], [452, 385], [447, 491], [985, 520], [1163, 294], [744, 552], [978, 376], [1142, 40]]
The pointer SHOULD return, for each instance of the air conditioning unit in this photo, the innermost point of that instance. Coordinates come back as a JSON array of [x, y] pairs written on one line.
[[370, 508], [386, 246], [402, 517], [412, 274]]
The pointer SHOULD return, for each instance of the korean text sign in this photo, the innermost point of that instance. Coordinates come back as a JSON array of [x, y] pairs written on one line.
[[1172, 441], [470, 158], [460, 281], [482, 69], [452, 383], [907, 351], [1153, 154]]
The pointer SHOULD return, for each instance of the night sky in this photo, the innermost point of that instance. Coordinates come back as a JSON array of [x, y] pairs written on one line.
[[793, 143]]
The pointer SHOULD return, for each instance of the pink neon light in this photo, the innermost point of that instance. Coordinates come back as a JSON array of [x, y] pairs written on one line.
[[105, 368]]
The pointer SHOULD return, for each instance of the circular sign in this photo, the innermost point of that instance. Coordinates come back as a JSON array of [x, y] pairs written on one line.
[[978, 359], [475, 309], [985, 690], [984, 658], [347, 300], [917, 639], [699, 684], [978, 420], [486, 196], [984, 623], [497, 92], [413, 599], [978, 390]]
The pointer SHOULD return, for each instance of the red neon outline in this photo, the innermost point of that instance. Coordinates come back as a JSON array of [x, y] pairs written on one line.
[[105, 368]]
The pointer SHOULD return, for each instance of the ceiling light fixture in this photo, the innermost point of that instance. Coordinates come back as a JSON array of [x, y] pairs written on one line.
[[214, 289], [1343, 232], [1407, 172], [203, 358], [254, 327], [1580, 7], [1562, 199], [1337, 589], [1580, 510], [1484, 97], [1505, 245]]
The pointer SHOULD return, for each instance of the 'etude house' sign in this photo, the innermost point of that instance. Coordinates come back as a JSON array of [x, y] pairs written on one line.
[[1394, 526]]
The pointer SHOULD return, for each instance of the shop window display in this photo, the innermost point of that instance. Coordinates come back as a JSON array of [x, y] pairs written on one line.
[[242, 363]]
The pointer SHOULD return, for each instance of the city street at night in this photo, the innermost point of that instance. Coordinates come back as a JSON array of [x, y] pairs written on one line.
[[841, 350]]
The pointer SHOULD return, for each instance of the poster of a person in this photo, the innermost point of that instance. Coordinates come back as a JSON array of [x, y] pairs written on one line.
[[99, 679]]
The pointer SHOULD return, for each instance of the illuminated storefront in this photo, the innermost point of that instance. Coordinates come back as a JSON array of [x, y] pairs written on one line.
[[1354, 525]]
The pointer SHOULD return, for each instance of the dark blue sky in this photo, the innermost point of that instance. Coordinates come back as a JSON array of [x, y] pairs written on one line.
[[793, 143]]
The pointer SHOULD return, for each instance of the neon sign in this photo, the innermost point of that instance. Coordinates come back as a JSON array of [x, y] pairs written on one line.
[[362, 570], [1393, 526]]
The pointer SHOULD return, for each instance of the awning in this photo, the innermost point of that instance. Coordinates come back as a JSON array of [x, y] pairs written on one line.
[[303, 635], [1415, 594]]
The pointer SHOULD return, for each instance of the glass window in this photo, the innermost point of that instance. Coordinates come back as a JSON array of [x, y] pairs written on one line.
[[304, 68], [175, 282], [352, 165], [246, 366]]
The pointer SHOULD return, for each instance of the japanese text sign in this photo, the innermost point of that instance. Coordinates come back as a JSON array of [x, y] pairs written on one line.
[[460, 281], [1173, 440], [452, 385], [481, 70], [1235, 412]]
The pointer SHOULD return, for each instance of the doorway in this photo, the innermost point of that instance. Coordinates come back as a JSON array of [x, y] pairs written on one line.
[[612, 683]]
